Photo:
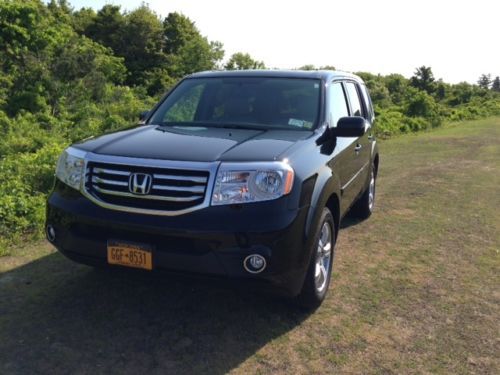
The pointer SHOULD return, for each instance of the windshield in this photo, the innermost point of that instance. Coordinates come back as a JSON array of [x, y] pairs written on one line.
[[253, 102]]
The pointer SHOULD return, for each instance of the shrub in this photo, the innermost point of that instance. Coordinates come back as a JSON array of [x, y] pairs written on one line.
[[23, 193]]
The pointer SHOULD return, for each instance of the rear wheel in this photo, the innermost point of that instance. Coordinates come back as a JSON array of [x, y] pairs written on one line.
[[363, 208], [319, 272]]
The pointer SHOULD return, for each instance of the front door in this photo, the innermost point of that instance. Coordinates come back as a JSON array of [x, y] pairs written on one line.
[[346, 163]]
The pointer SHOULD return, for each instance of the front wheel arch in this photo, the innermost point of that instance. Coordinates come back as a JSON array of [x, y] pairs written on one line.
[[329, 198], [310, 296], [333, 204]]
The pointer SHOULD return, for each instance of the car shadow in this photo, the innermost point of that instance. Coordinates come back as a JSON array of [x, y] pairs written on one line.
[[60, 317], [350, 220]]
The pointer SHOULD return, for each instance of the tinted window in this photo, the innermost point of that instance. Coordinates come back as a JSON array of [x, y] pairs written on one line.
[[368, 102], [356, 109], [338, 105], [269, 102]]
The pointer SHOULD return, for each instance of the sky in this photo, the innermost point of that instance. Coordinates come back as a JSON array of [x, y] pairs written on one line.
[[459, 40]]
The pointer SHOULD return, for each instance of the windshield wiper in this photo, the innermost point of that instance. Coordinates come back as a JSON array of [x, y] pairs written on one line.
[[240, 125], [229, 125], [176, 123]]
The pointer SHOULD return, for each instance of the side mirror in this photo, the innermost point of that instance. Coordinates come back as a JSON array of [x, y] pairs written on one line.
[[354, 126], [143, 115]]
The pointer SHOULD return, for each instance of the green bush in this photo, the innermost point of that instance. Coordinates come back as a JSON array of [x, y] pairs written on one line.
[[389, 122], [27, 179]]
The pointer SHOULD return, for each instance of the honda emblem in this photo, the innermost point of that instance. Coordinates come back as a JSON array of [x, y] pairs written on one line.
[[140, 183]]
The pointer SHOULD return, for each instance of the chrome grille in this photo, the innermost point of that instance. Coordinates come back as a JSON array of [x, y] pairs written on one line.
[[173, 190]]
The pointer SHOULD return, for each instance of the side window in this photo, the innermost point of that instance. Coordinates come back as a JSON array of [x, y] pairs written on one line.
[[337, 103], [356, 108], [368, 102]]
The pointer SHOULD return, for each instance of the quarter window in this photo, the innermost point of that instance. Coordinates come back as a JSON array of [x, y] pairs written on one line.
[[366, 99], [338, 105], [356, 109]]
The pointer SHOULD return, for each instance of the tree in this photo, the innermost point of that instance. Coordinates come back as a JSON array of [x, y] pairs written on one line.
[[82, 19], [29, 35], [495, 86], [240, 61], [60, 9], [81, 57], [397, 86], [460, 93], [28, 28], [136, 36], [107, 28], [423, 79], [441, 88], [186, 49], [313, 67], [308, 67], [178, 31], [143, 43], [484, 81], [196, 55]]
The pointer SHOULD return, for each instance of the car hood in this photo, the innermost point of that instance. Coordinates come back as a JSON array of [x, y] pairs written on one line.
[[195, 143]]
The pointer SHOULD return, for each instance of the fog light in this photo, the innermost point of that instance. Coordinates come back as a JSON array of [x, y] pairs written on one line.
[[51, 233], [254, 263]]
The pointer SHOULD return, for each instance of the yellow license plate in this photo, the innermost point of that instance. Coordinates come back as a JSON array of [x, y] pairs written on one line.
[[130, 254]]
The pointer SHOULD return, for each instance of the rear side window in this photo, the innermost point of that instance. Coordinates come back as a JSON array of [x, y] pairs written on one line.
[[356, 108], [337, 103]]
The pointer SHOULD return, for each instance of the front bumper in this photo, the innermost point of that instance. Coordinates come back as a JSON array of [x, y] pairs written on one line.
[[211, 241]]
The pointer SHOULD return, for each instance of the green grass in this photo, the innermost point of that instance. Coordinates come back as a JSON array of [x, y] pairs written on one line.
[[415, 289]]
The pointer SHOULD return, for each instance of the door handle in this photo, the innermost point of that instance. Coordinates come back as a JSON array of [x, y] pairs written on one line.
[[358, 147]]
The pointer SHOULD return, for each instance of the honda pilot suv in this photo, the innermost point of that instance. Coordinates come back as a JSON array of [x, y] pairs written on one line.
[[244, 175]]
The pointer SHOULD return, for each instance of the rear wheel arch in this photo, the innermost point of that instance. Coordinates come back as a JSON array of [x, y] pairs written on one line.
[[375, 164]]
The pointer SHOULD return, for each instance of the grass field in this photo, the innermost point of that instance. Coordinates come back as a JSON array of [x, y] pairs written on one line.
[[416, 289]]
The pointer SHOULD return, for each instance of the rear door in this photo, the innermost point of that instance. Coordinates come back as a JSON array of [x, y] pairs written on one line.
[[362, 150]]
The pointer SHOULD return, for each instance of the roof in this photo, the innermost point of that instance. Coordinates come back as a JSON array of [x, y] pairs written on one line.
[[311, 74]]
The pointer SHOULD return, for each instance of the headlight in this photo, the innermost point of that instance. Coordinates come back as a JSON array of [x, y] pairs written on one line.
[[252, 182], [70, 167]]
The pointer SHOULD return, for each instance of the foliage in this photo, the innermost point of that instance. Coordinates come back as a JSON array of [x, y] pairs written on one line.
[[69, 74], [186, 49], [312, 67], [495, 86], [240, 61], [407, 105], [423, 79], [484, 81]]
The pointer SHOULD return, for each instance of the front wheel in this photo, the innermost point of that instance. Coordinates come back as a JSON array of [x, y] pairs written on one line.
[[319, 272]]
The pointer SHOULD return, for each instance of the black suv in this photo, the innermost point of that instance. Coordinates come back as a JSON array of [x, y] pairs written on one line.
[[241, 174]]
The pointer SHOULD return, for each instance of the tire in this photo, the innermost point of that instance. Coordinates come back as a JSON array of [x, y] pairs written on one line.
[[363, 207], [319, 271]]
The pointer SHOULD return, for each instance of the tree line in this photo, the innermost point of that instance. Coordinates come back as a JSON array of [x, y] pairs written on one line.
[[67, 74]]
